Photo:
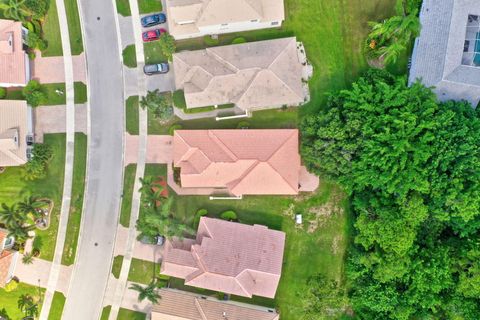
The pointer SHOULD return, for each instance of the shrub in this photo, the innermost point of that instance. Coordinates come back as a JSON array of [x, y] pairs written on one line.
[[209, 41], [159, 104], [229, 215], [33, 93], [196, 220], [172, 129], [36, 167], [3, 93], [239, 40], [243, 125], [35, 42], [167, 45], [30, 26], [179, 99], [11, 286]]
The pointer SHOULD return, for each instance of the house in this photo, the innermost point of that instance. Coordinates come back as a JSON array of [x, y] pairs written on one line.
[[15, 132], [8, 258], [255, 75], [228, 257], [239, 162], [447, 52], [181, 305], [14, 61], [196, 18]]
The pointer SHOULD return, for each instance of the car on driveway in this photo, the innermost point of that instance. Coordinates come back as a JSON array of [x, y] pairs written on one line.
[[153, 35], [155, 68], [153, 20], [157, 240]]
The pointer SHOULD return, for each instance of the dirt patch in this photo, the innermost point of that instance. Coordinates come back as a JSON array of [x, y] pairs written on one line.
[[337, 240], [319, 216]]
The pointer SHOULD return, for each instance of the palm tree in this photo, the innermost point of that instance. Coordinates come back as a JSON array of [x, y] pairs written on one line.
[[19, 232], [30, 206], [147, 184], [149, 292], [24, 301], [27, 258], [13, 9], [10, 216]]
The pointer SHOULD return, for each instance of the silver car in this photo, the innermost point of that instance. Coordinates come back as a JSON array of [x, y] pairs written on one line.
[[150, 69]]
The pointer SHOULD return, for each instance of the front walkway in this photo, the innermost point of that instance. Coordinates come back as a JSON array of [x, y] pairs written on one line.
[[52, 69], [209, 114], [52, 119], [159, 149]]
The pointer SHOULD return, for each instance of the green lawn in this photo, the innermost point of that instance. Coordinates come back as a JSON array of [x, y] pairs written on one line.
[[56, 309], [149, 6], [125, 314], [131, 115], [51, 32], [105, 313], [78, 188], [323, 238], [117, 266], [123, 8], [55, 93], [129, 56], [13, 188], [74, 28], [8, 300], [153, 53], [142, 271], [128, 182]]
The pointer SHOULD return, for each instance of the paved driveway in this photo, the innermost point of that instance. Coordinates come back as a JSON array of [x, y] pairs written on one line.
[[159, 149], [126, 30], [52, 70], [52, 119]]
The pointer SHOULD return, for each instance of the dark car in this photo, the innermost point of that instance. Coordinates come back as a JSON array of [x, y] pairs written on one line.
[[152, 35], [157, 240], [153, 20], [156, 68]]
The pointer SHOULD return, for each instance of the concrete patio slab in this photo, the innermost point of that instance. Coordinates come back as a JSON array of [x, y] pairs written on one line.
[[159, 149], [52, 119], [308, 182], [52, 70]]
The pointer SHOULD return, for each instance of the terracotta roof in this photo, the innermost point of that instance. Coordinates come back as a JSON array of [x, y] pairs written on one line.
[[180, 305], [12, 56], [228, 257], [250, 75], [188, 16], [13, 132], [244, 161], [3, 236]]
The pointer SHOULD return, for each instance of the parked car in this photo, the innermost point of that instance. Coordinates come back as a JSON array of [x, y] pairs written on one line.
[[153, 35], [150, 69], [153, 20], [157, 240]]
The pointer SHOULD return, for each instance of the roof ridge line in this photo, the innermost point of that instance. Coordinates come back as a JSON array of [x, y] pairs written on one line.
[[245, 173], [222, 145], [218, 57], [274, 153], [200, 309]]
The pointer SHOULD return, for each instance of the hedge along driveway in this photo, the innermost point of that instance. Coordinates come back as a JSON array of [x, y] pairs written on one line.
[[74, 28]]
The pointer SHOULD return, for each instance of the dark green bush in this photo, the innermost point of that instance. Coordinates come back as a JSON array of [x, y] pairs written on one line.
[[229, 215]]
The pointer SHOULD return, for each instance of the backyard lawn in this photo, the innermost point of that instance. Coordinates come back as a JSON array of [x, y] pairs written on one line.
[[322, 238], [51, 32], [8, 300], [78, 187], [56, 309], [131, 115], [74, 28], [14, 188], [128, 182]]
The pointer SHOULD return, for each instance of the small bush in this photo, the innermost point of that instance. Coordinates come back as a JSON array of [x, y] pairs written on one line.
[[11, 286], [209, 41], [196, 220], [239, 40], [30, 26], [3, 93], [229, 215], [243, 125], [172, 129], [179, 99], [34, 94]]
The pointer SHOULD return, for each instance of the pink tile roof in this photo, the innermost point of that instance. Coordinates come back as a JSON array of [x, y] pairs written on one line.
[[228, 257], [243, 161], [12, 56]]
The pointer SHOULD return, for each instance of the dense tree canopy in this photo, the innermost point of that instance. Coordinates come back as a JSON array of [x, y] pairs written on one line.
[[412, 168]]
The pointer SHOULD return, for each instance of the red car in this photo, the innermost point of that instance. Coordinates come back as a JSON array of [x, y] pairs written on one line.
[[153, 35]]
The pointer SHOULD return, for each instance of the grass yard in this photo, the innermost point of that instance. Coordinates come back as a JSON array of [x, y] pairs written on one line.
[[117, 266], [52, 91], [131, 115], [323, 237], [51, 32], [142, 271], [105, 313], [153, 53], [123, 8], [74, 28], [14, 188], [56, 309], [128, 182], [149, 6], [129, 56], [8, 300], [78, 188], [125, 314]]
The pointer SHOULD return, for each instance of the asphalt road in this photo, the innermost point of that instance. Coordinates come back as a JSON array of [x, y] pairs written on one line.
[[104, 175]]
